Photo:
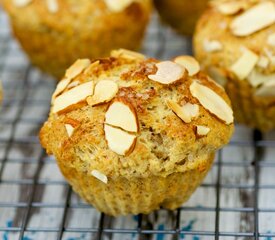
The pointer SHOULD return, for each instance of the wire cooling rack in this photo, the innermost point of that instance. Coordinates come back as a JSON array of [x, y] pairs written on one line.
[[236, 201]]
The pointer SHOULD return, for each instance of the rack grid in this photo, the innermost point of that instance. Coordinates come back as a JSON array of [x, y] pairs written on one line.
[[236, 201]]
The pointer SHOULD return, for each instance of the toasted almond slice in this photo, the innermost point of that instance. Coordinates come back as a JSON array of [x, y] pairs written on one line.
[[52, 6], [267, 90], [120, 142], [186, 112], [73, 96], [212, 45], [61, 86], [100, 176], [202, 130], [92, 66], [21, 3], [256, 78], [213, 102], [191, 64], [69, 129], [124, 53], [123, 115], [168, 72], [256, 18], [118, 5], [73, 84], [270, 56], [105, 91], [263, 62], [271, 39], [230, 8], [245, 64], [78, 67]]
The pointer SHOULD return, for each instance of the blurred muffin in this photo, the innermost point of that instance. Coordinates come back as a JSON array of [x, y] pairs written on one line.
[[132, 135], [182, 15], [235, 43], [54, 33]]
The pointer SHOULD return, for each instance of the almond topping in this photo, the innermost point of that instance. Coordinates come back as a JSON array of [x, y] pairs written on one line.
[[69, 129], [21, 3], [218, 75], [123, 115], [118, 5], [73, 84], [61, 86], [105, 91], [186, 112], [267, 90], [92, 66], [73, 96], [202, 130], [124, 53], [245, 64], [78, 67], [168, 72], [212, 102], [52, 6], [271, 39], [191, 64], [212, 45], [256, 78], [120, 142], [100, 176], [230, 8], [256, 18]]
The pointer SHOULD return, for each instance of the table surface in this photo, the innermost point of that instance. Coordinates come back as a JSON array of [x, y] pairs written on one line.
[[236, 199]]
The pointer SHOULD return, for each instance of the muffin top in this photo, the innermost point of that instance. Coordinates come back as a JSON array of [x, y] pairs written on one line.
[[70, 15], [128, 115], [238, 37]]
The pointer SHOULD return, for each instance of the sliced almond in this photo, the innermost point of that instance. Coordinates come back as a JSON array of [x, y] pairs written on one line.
[[92, 66], [271, 39], [213, 102], [202, 130], [119, 141], [267, 90], [189, 63], [186, 112], [73, 84], [118, 5], [230, 8], [78, 67], [270, 56], [105, 91], [69, 129], [21, 3], [263, 62], [245, 64], [123, 115], [124, 53], [256, 78], [73, 96], [168, 72], [61, 86], [218, 75], [100, 176], [52, 6], [212, 45], [256, 18]]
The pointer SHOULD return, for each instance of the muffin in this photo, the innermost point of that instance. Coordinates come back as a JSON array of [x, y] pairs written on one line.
[[55, 33], [235, 44], [181, 14], [132, 134]]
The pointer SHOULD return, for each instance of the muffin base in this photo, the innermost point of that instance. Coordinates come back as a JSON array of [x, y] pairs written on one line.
[[123, 196]]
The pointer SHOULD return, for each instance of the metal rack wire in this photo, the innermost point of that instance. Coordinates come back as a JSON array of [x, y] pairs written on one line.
[[237, 200]]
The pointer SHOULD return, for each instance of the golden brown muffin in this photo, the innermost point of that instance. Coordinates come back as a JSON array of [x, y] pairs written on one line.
[[132, 134], [235, 43], [54, 33], [182, 15]]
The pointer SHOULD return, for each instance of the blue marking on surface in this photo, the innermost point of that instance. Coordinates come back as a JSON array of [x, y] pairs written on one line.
[[6, 234], [27, 238], [188, 228], [269, 238], [82, 237], [160, 236]]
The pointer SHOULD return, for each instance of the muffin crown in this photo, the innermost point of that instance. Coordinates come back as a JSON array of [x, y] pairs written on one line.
[[127, 115]]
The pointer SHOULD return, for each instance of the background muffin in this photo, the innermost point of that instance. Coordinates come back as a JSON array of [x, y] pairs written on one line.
[[54, 33], [132, 134], [235, 43], [181, 14]]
